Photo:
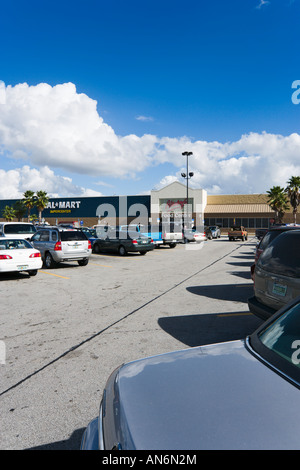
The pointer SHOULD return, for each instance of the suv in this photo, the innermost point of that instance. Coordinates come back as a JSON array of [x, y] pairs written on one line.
[[17, 230], [215, 231], [57, 245], [277, 275], [269, 236]]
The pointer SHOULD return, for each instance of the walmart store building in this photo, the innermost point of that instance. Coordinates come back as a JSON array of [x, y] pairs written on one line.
[[168, 203]]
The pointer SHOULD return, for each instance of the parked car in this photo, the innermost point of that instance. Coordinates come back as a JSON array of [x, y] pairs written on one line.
[[269, 236], [192, 235], [236, 395], [277, 275], [90, 233], [260, 232], [17, 230], [57, 245], [215, 231], [123, 242], [236, 232], [208, 233], [19, 255]]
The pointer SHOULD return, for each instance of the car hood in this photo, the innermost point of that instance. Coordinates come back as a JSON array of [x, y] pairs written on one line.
[[210, 397]]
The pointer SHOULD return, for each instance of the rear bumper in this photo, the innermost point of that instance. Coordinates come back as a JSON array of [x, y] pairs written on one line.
[[260, 310], [60, 256]]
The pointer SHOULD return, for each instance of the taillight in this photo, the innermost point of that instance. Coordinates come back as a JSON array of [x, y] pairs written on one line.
[[5, 257], [57, 246], [152, 240], [134, 242], [35, 255], [89, 245]]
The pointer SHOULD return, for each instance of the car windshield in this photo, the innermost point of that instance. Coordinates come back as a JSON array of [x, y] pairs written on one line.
[[278, 342], [19, 228], [283, 336], [14, 244]]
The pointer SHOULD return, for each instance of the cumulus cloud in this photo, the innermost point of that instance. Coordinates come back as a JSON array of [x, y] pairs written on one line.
[[45, 129], [14, 183], [58, 127]]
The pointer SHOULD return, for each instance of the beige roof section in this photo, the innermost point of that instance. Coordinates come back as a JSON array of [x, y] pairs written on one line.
[[238, 204], [238, 208], [237, 199]]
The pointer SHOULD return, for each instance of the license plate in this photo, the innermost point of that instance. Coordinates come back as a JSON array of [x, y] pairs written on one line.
[[279, 289], [21, 268]]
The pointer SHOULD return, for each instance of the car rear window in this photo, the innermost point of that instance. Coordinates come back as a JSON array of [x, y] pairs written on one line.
[[282, 256], [14, 244], [19, 228], [72, 235]]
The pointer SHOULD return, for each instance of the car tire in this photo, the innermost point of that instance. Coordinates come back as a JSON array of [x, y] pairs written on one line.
[[122, 251], [49, 261], [172, 245], [143, 253], [83, 262], [33, 272], [96, 248]]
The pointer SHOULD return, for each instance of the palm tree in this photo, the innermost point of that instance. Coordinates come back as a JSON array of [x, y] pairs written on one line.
[[20, 209], [278, 201], [293, 192], [29, 202], [41, 202], [8, 213]]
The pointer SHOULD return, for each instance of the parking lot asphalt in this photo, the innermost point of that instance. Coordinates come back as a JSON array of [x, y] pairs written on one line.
[[66, 329]]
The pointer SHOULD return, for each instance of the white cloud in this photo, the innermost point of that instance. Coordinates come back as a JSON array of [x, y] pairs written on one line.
[[58, 127], [44, 128], [14, 183], [144, 118]]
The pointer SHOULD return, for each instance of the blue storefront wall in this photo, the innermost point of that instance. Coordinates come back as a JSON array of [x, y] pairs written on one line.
[[90, 207]]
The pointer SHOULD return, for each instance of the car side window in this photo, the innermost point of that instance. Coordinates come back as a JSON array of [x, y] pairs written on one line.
[[54, 236], [44, 236], [36, 237]]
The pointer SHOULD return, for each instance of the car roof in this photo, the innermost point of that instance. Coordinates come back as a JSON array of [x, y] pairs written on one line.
[[284, 227]]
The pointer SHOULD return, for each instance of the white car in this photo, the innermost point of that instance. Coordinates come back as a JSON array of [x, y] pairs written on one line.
[[17, 230], [19, 255], [191, 235]]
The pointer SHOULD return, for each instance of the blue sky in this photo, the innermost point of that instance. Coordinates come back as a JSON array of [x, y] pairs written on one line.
[[103, 97]]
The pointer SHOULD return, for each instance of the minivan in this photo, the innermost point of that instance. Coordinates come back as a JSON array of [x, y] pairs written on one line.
[[276, 275], [17, 230]]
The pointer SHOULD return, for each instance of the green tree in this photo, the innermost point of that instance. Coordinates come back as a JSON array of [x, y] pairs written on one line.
[[29, 201], [293, 192], [41, 202], [20, 209], [278, 201], [8, 213]]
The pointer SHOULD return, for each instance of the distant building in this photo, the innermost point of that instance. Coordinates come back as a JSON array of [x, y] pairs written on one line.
[[168, 203]]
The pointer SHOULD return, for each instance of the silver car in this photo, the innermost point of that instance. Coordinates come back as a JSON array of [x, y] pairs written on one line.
[[276, 275], [242, 394], [215, 231], [58, 245]]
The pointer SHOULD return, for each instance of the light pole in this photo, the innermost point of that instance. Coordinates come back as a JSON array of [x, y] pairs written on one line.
[[187, 176]]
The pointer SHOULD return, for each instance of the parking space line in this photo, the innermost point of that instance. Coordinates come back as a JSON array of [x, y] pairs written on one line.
[[103, 265], [52, 274]]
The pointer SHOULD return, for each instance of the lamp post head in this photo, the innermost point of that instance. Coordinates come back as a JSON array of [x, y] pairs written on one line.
[[183, 175], [187, 154]]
